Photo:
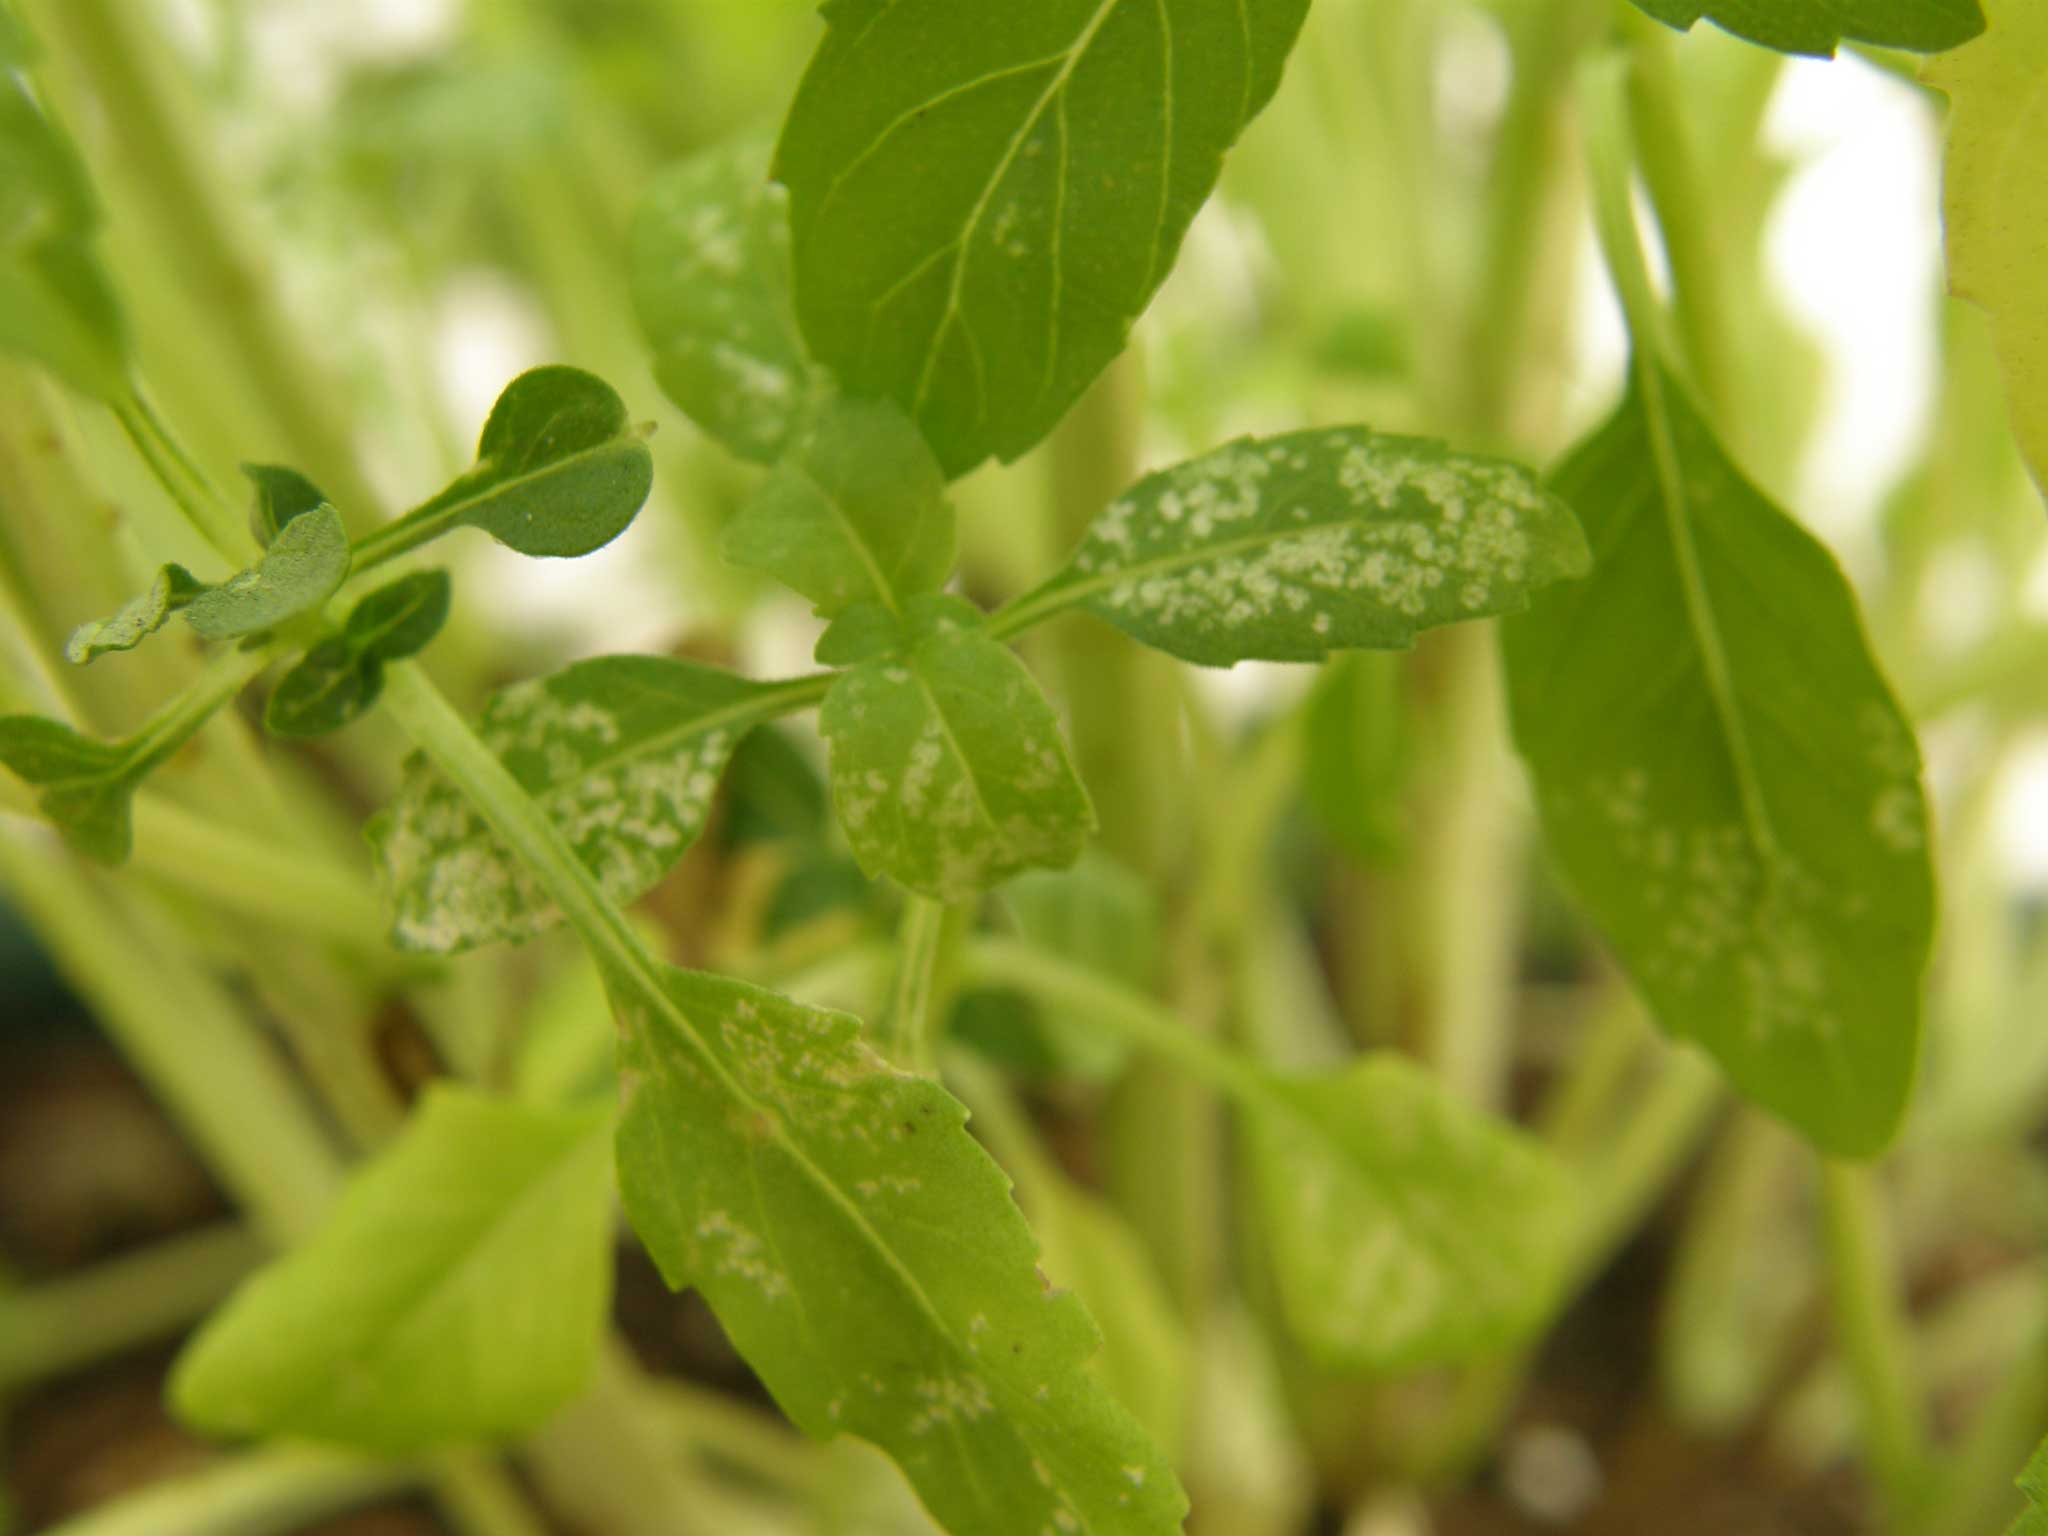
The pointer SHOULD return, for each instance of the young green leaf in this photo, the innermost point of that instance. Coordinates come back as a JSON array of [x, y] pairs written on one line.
[[340, 678], [173, 588], [560, 471], [1995, 202], [2034, 1484], [1725, 778], [980, 206], [86, 784], [1289, 548], [281, 495], [1820, 26], [622, 752], [300, 570], [1405, 1229], [856, 512], [56, 304], [865, 1256], [456, 1292], [710, 283], [948, 769]]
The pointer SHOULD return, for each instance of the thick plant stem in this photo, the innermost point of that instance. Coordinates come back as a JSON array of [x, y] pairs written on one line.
[[1872, 1333], [78, 1319], [260, 1493]]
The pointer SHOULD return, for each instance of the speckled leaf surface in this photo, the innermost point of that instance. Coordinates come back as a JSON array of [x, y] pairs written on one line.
[[856, 512], [137, 619], [1405, 1229], [1289, 548], [864, 1254], [623, 753], [949, 772], [710, 284], [983, 198], [300, 570], [1820, 26], [1995, 202], [455, 1293], [1725, 779]]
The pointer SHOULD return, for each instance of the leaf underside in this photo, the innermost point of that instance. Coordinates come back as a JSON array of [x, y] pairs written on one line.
[[300, 570], [1291, 547], [1725, 779], [1821, 26], [172, 588], [455, 1293], [983, 200], [624, 754], [865, 1256]]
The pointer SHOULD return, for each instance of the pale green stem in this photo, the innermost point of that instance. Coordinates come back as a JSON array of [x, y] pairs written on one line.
[[259, 1493], [1670, 168], [226, 675], [49, 1329], [1606, 1046], [1872, 1332], [230, 1092], [170, 468], [1974, 1492], [906, 1032], [251, 877], [123, 56]]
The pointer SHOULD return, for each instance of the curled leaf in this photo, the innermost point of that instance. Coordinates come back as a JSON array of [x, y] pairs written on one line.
[[300, 570], [173, 588]]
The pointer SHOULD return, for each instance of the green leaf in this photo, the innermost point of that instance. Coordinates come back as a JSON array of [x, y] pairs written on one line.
[[1725, 779], [864, 1254], [56, 304], [1405, 1229], [1995, 202], [1289, 548], [1820, 26], [710, 283], [1145, 1356], [948, 769], [2034, 1484], [456, 1292], [86, 784], [560, 471], [340, 678], [300, 570], [140, 617], [856, 512], [17, 45], [400, 618], [982, 203], [329, 687], [281, 495], [1355, 755], [624, 754]]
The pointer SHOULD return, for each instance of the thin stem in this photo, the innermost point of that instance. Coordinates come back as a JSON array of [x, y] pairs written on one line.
[[164, 460], [74, 1321], [905, 1033], [997, 962], [1874, 1337], [259, 1493], [226, 675]]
